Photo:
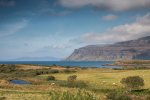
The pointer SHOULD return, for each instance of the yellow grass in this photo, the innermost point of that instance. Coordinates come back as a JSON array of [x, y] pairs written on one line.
[[28, 67], [106, 77], [97, 78]]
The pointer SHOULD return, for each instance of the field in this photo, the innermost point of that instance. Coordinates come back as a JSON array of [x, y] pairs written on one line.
[[91, 84]]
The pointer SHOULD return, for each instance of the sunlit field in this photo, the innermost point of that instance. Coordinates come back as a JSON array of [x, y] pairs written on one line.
[[90, 84]]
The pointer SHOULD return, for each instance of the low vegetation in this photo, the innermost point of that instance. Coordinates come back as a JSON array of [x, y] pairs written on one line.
[[118, 96], [7, 68], [133, 82], [74, 83], [133, 64], [79, 95], [49, 78], [72, 78]]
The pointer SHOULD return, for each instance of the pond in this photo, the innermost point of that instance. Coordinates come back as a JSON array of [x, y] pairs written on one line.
[[21, 82]]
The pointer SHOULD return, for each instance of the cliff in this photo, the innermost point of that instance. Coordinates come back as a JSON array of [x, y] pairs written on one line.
[[133, 49]]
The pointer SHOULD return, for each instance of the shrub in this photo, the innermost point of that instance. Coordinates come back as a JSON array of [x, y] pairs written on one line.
[[71, 82], [79, 95], [45, 71], [133, 82], [66, 71], [29, 73], [72, 78], [50, 78], [76, 84], [53, 71], [7, 68], [69, 71], [117, 96]]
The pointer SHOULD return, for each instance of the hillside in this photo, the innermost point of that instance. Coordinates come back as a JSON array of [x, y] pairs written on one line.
[[133, 49]]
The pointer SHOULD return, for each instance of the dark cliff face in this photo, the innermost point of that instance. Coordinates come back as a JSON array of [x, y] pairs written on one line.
[[133, 49]]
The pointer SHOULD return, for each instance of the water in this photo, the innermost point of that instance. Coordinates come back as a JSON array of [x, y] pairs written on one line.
[[21, 82], [98, 64]]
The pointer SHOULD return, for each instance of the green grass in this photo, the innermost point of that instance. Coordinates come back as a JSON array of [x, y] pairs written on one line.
[[105, 77], [91, 84]]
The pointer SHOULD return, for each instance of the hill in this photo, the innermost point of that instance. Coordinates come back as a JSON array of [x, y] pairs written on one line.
[[133, 49], [37, 59]]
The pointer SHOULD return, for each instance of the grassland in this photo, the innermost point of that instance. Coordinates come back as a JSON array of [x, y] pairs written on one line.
[[92, 84]]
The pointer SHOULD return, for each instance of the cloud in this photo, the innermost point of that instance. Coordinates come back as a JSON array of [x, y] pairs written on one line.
[[115, 5], [109, 17], [7, 3], [10, 29], [57, 50], [58, 46], [137, 29]]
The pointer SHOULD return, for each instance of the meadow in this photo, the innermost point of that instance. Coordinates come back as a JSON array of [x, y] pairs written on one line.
[[90, 83]]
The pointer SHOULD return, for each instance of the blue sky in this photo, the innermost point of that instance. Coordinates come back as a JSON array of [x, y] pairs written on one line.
[[38, 28]]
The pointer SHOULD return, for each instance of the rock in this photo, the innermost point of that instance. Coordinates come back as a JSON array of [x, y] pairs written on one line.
[[133, 49], [52, 84]]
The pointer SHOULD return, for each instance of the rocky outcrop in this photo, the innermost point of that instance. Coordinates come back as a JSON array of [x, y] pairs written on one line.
[[133, 49]]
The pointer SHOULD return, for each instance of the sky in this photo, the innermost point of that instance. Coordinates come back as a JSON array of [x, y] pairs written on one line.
[[54, 28]]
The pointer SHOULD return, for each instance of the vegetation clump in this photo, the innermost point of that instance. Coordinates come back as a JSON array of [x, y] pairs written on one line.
[[79, 95], [45, 71], [72, 78], [69, 71], [7, 68], [49, 78], [133, 82], [117, 96]]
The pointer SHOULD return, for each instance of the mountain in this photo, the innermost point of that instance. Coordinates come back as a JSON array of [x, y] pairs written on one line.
[[37, 59], [133, 49]]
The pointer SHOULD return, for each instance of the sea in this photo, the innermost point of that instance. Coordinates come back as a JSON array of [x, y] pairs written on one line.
[[98, 64]]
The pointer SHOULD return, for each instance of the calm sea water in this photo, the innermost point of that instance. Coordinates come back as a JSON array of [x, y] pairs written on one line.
[[19, 82], [65, 63]]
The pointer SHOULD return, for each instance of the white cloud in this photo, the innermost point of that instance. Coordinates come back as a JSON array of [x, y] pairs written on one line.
[[115, 5], [12, 28], [57, 46], [109, 17], [137, 29], [57, 50]]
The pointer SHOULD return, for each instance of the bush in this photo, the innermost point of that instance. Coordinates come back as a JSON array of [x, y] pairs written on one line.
[[133, 82], [7, 68], [72, 78], [53, 71], [69, 71], [68, 66], [50, 78], [21, 73], [40, 72], [76, 84], [79, 95], [117, 96]]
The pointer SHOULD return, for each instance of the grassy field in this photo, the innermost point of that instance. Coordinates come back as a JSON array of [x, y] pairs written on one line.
[[99, 82]]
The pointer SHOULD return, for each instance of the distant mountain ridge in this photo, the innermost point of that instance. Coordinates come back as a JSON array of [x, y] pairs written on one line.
[[37, 59], [133, 49]]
